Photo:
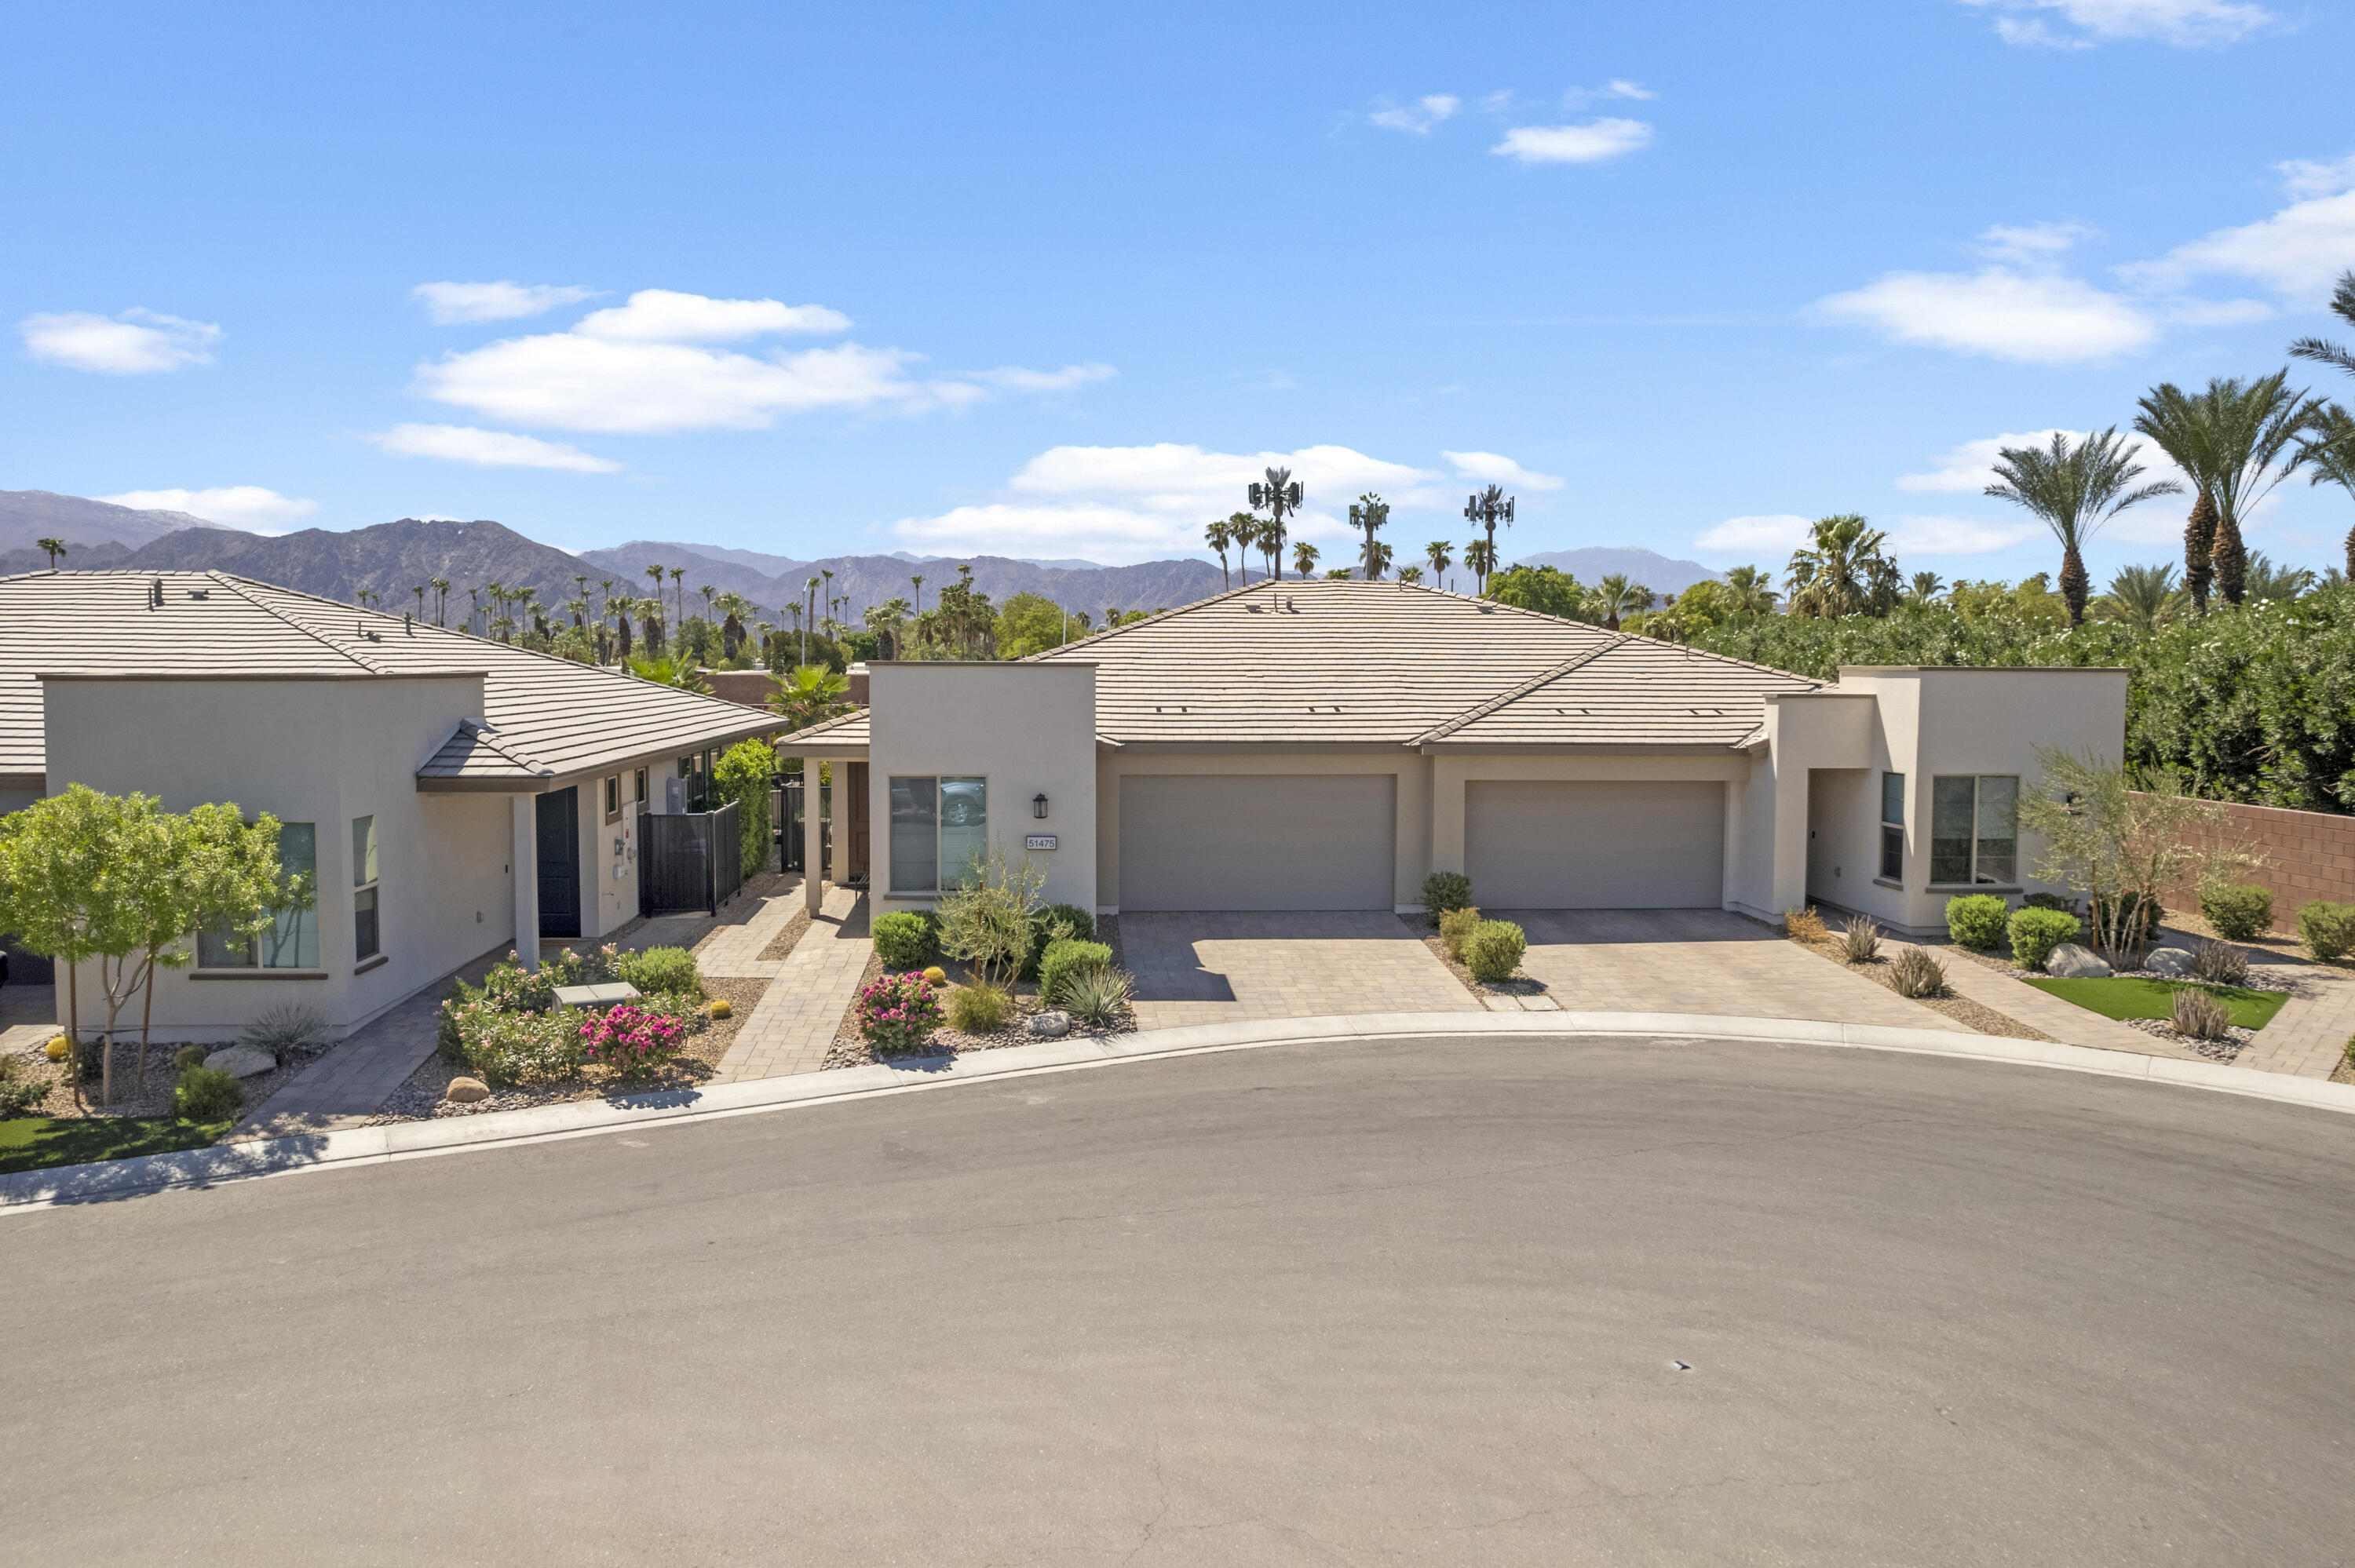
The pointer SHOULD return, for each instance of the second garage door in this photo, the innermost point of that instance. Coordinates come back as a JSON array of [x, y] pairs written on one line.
[[1542, 844], [1258, 841]]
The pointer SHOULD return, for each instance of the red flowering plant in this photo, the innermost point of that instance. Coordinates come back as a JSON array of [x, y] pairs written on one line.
[[898, 1013], [631, 1039]]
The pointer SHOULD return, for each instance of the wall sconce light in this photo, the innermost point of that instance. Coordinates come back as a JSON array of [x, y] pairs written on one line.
[[1038, 806]]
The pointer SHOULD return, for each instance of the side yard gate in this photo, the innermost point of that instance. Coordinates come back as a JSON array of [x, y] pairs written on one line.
[[690, 861]]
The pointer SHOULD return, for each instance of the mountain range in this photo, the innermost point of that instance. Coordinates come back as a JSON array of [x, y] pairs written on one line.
[[1654, 570], [30, 514]]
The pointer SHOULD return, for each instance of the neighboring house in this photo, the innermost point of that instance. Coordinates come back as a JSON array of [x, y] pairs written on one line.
[[1324, 745], [454, 796]]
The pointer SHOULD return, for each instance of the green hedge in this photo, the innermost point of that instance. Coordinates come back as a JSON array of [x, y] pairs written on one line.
[[744, 777], [2036, 932], [1977, 920], [2240, 913], [1063, 959], [906, 938]]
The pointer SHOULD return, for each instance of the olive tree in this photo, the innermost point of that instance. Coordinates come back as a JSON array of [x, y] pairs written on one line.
[[987, 921]]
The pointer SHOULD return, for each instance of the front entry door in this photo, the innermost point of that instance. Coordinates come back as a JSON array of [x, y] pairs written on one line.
[[560, 862]]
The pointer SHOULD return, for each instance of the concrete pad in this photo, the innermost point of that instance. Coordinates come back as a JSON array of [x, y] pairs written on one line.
[[1226, 966]]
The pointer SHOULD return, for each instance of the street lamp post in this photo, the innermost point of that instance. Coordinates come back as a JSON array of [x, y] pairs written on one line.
[[1279, 495], [1485, 510]]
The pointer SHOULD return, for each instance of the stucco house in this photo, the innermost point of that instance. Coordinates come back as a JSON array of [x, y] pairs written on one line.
[[454, 796], [1325, 745]]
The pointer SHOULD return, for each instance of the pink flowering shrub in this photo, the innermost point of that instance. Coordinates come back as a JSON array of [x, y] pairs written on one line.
[[898, 1013], [630, 1038]]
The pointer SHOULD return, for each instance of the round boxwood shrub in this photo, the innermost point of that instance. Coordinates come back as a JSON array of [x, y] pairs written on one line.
[[1445, 892], [660, 971], [2036, 932], [904, 939], [2328, 929], [1976, 919], [1064, 960], [1494, 950], [206, 1094], [2241, 912]]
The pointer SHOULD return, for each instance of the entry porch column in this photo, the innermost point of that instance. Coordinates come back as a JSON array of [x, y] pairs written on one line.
[[526, 862]]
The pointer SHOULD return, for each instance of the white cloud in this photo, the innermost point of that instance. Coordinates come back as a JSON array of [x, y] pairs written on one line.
[[248, 506], [135, 343], [1617, 88], [2032, 242], [1014, 379], [2304, 177], [1490, 467], [1956, 536], [1779, 532], [452, 304], [2298, 252], [488, 449], [2186, 23], [1418, 117], [1593, 143], [665, 315], [2034, 319]]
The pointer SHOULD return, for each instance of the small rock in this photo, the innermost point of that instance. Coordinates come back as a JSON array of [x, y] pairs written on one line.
[[241, 1061], [1048, 1025], [2070, 961], [466, 1091], [2172, 962]]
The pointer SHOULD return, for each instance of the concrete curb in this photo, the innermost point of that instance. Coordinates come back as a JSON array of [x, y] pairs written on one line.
[[25, 1191]]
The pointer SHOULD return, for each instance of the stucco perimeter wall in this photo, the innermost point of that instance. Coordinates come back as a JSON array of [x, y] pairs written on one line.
[[2313, 855], [1028, 729], [308, 751]]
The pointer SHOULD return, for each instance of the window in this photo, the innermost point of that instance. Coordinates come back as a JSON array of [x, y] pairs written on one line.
[[696, 771], [366, 938], [1975, 830], [1892, 827], [639, 793], [614, 798], [292, 942], [937, 824]]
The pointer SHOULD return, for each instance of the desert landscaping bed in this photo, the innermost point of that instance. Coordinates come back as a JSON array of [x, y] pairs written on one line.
[[1522, 984], [34, 1066], [1978, 1017]]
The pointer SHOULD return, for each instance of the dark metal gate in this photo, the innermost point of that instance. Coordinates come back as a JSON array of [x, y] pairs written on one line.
[[785, 803], [689, 862]]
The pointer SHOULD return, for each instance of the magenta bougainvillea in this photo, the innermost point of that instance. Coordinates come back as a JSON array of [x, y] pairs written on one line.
[[898, 1013], [630, 1038]]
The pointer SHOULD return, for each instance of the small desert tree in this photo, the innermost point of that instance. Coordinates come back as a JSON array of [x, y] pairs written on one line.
[[987, 921], [2121, 837]]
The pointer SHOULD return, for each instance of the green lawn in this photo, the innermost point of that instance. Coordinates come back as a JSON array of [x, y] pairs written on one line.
[[38, 1142], [2125, 996]]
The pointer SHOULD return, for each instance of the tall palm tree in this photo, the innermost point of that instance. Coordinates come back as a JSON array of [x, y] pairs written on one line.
[[1279, 496], [1925, 589], [2232, 439], [441, 586], [420, 591], [1243, 529], [1411, 574], [829, 575], [2267, 580], [1480, 559], [1218, 538], [1270, 550], [1304, 558], [1614, 596], [2343, 305], [2144, 597], [1371, 513], [1437, 554], [709, 595], [53, 548], [2075, 487], [733, 607], [2330, 451], [1379, 561], [1751, 591], [920, 594], [1843, 571]]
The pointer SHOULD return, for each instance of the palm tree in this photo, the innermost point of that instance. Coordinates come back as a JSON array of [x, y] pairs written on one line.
[[1081, 619], [2144, 597], [1279, 495], [2267, 580], [2343, 305], [2330, 451], [1436, 553], [1218, 538], [2231, 440], [1480, 559], [888, 621], [1925, 589], [920, 594], [734, 608], [1410, 574], [1379, 562], [578, 609], [811, 694], [53, 548], [829, 575], [1270, 550], [441, 586], [2075, 487], [1843, 572], [1371, 513], [1243, 529], [1614, 596], [1751, 591], [1304, 558], [474, 606]]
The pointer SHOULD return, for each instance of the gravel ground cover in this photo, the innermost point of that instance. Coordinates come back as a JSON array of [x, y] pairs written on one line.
[[1519, 985], [1973, 1015], [161, 1075], [849, 1051]]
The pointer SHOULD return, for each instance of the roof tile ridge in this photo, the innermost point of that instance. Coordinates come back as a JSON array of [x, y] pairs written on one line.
[[498, 743], [836, 722], [1166, 615], [240, 586], [1515, 693], [1690, 651]]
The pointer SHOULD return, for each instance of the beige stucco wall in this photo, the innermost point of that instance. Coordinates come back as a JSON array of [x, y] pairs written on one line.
[[315, 751], [1028, 729]]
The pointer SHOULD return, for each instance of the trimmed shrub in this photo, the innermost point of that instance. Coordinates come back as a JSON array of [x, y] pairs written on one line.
[[1065, 958], [1494, 950], [979, 1009], [1454, 927], [1098, 996], [2328, 929], [661, 972], [1445, 891], [1081, 923], [905, 938], [1804, 926], [19, 1090], [2199, 1016], [897, 1012], [206, 1094], [2035, 932], [1860, 941], [506, 1048], [1976, 919], [2241, 913], [2219, 963], [188, 1056], [630, 1039], [1916, 974]]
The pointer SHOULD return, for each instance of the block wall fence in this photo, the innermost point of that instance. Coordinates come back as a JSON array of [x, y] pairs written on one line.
[[2313, 855]]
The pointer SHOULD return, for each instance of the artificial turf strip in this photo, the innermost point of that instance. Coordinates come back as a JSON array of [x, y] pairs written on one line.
[[38, 1142], [2126, 996]]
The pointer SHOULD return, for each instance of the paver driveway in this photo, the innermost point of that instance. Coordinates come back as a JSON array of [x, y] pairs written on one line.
[[1698, 960], [1220, 968]]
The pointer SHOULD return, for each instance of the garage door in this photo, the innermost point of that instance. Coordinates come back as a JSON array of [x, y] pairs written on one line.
[[1258, 841], [1540, 844]]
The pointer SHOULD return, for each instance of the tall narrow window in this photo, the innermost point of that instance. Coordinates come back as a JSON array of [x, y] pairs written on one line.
[[366, 938], [1892, 827], [1975, 830], [292, 940], [614, 798], [940, 828], [640, 782]]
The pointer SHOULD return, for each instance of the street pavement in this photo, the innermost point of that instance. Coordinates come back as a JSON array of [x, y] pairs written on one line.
[[1503, 1301]]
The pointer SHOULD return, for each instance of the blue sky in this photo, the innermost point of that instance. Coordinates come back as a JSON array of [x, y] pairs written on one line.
[[1048, 279]]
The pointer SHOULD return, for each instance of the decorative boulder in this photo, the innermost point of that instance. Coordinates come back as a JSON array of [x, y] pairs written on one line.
[[2070, 961], [466, 1091], [241, 1061], [1048, 1025], [2172, 962]]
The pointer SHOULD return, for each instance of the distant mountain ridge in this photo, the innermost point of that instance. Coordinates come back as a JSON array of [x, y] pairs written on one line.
[[30, 514], [1591, 565]]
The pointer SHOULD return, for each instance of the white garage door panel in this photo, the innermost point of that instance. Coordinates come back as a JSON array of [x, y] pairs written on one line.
[[1543, 844], [1258, 841]]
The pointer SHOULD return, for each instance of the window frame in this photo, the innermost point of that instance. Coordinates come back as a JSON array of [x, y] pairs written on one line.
[[639, 781], [614, 798], [940, 825], [1892, 827], [1974, 876], [290, 929], [367, 902]]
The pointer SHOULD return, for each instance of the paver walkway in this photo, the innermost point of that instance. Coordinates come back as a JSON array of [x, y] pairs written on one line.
[[733, 949], [2308, 1038], [1698, 960], [794, 1024], [2040, 1011], [1220, 968]]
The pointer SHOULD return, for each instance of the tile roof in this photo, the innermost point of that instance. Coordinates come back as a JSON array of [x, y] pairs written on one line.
[[545, 717], [1350, 663]]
